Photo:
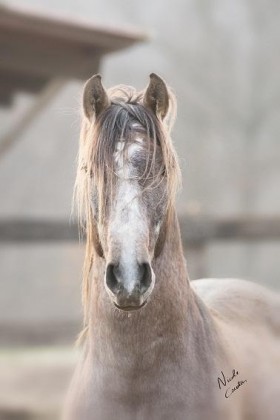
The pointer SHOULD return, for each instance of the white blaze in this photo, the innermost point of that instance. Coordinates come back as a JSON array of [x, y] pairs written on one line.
[[128, 221]]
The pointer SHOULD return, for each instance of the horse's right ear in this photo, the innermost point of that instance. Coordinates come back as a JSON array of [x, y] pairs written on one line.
[[95, 98]]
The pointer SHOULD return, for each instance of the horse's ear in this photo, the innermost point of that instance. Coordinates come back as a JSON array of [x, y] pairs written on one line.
[[95, 98], [156, 96]]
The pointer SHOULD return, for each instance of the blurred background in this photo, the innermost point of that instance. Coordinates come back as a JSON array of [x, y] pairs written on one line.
[[222, 60]]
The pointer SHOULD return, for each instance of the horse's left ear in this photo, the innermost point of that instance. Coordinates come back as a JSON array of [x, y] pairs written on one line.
[[95, 98], [156, 96]]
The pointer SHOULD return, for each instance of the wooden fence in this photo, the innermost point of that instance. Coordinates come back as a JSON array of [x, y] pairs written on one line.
[[197, 232]]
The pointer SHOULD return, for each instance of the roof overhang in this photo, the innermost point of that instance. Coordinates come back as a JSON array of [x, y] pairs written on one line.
[[35, 48]]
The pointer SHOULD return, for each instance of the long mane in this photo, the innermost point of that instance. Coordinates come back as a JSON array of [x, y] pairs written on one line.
[[98, 141]]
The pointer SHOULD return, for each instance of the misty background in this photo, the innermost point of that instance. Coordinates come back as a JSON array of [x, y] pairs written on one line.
[[222, 60]]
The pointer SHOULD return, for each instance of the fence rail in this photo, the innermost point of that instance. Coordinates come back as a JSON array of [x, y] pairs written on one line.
[[195, 230]]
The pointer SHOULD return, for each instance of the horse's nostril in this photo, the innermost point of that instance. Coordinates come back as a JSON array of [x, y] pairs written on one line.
[[145, 276], [111, 277]]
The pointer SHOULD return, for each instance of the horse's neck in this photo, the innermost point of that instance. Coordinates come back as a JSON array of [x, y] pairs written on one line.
[[170, 316]]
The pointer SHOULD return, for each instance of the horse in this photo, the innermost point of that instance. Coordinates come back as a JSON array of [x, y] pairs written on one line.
[[155, 344]]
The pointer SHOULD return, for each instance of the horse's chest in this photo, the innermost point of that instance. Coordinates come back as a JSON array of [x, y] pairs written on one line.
[[165, 394]]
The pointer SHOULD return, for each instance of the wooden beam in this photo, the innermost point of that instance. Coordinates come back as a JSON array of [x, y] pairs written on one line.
[[38, 231], [195, 230], [40, 102]]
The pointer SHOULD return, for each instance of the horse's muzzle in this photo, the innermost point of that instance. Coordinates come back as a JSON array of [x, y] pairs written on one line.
[[129, 289]]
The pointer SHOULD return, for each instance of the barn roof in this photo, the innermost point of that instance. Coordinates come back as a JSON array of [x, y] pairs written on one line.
[[36, 48]]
